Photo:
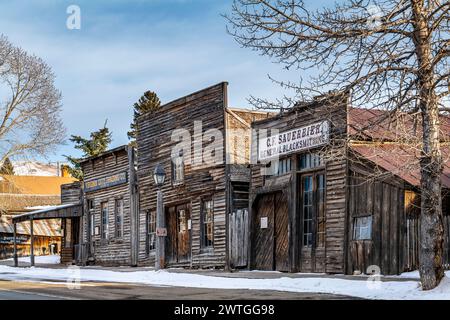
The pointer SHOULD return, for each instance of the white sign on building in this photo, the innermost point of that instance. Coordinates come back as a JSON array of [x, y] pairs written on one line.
[[295, 140]]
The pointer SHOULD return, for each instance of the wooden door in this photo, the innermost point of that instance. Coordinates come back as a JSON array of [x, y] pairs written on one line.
[[270, 242], [184, 233], [172, 235], [263, 234], [281, 232]]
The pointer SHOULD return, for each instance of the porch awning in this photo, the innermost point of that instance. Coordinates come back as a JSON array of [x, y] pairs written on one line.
[[60, 211]]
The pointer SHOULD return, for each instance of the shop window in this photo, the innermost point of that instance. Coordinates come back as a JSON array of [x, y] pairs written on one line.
[[151, 230], [178, 169], [284, 166], [207, 224], [362, 229], [119, 218], [310, 161], [104, 220]]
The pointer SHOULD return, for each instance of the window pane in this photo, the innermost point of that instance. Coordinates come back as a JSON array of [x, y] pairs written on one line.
[[310, 160], [207, 223], [363, 228]]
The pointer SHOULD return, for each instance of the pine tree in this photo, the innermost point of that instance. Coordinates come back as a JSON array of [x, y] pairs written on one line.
[[97, 143], [148, 103], [7, 167]]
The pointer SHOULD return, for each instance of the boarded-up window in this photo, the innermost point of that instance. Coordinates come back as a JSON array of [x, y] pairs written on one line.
[[104, 219], [119, 218], [362, 229], [207, 224]]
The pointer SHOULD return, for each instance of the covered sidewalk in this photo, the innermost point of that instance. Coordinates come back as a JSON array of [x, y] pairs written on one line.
[[55, 212]]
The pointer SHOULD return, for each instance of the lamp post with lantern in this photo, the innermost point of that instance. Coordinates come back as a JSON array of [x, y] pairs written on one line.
[[159, 175]]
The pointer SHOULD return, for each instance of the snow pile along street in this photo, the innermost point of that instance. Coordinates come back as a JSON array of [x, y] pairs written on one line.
[[50, 259], [357, 288]]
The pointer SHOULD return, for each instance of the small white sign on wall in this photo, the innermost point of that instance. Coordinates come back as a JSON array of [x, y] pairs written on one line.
[[264, 223], [189, 224], [97, 231]]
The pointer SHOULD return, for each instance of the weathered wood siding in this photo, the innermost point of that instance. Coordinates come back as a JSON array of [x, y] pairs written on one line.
[[111, 251], [331, 257], [155, 146], [384, 201]]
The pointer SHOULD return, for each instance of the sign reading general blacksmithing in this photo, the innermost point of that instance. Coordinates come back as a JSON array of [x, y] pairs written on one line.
[[295, 140], [106, 182]]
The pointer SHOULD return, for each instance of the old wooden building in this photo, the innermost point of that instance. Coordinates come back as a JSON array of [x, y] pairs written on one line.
[[109, 228], [207, 180], [324, 198]]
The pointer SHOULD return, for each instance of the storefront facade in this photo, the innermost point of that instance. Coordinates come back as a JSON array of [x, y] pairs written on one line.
[[325, 205], [201, 197]]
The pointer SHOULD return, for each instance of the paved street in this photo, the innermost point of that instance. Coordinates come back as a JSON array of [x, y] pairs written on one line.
[[96, 290]]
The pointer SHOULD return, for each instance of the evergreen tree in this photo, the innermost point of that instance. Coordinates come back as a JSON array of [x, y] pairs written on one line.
[[7, 167], [148, 103], [97, 143]]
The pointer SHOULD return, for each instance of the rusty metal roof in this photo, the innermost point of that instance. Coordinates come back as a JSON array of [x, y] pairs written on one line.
[[401, 160], [380, 125]]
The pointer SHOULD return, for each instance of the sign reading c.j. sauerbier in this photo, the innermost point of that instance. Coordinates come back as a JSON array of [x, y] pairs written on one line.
[[106, 182], [295, 140]]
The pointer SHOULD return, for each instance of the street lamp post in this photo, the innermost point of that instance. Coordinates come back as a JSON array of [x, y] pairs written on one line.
[[159, 176]]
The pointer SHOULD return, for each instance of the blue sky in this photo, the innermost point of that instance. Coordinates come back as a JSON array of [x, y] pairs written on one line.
[[124, 48]]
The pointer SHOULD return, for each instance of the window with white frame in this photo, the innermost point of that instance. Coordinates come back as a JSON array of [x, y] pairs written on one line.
[[362, 228], [151, 230]]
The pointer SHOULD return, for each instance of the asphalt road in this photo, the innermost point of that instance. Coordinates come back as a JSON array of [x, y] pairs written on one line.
[[13, 290]]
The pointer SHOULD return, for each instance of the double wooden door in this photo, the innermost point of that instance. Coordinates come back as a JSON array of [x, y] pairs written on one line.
[[178, 240], [270, 233]]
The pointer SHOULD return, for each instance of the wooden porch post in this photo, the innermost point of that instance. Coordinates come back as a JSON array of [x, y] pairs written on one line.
[[31, 243], [16, 261]]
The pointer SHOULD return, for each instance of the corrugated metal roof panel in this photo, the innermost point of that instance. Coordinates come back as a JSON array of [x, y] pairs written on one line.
[[401, 160]]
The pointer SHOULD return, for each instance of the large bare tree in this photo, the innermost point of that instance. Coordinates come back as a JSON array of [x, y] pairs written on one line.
[[390, 54], [30, 105]]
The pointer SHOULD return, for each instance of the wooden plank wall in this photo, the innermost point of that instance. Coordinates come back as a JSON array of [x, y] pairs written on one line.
[[155, 145], [334, 110], [71, 193], [239, 237], [384, 200], [112, 251]]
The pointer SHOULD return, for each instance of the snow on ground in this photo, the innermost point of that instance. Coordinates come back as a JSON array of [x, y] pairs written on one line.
[[358, 288], [51, 259]]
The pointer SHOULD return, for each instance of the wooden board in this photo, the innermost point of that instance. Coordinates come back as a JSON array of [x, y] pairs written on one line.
[[281, 232]]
